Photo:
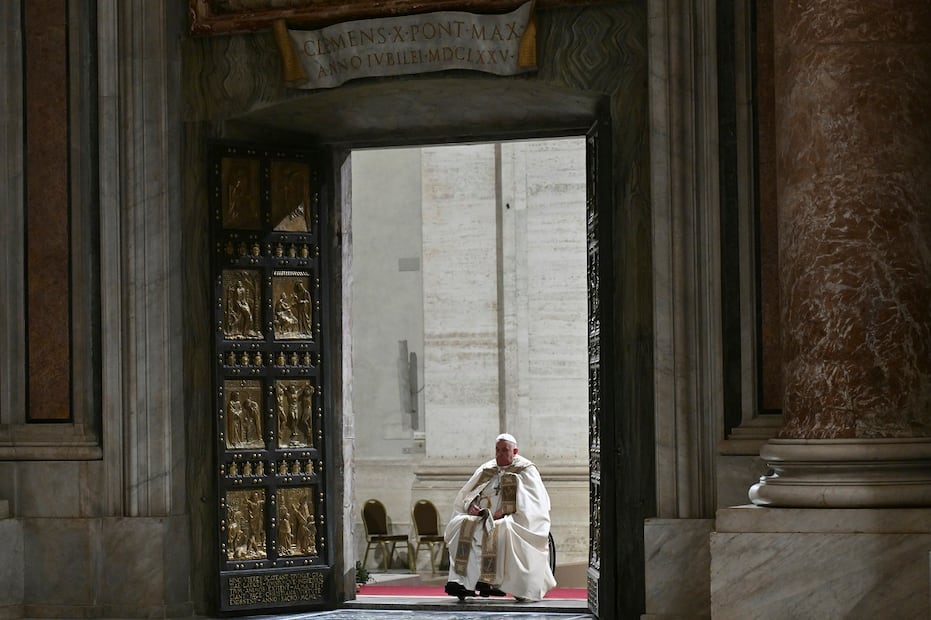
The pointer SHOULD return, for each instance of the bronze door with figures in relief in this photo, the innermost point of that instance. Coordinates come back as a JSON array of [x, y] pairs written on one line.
[[272, 442]]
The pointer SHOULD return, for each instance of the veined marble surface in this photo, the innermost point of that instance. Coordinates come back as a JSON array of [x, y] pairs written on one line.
[[677, 562], [806, 563]]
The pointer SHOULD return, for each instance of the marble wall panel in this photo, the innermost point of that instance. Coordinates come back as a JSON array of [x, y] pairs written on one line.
[[8, 484], [92, 480], [752, 518], [140, 564], [677, 561], [61, 561], [133, 571], [125, 567], [49, 489], [11, 568], [176, 566], [819, 575]]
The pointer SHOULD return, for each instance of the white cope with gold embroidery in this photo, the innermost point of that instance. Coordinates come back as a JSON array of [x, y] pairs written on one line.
[[516, 546]]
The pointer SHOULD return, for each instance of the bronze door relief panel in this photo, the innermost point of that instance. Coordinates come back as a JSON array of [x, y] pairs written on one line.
[[598, 161], [272, 510]]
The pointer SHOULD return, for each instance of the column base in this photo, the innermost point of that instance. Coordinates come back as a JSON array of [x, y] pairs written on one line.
[[845, 473]]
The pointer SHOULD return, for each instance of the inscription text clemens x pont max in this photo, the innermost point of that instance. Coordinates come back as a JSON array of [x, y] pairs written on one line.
[[446, 33], [414, 44]]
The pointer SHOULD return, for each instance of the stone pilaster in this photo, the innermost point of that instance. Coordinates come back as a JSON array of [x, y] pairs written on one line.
[[853, 82]]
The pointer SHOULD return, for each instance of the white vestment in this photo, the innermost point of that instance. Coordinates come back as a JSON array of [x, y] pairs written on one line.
[[510, 553]]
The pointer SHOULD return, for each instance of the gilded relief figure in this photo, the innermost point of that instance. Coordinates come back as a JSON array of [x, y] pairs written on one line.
[[243, 414], [281, 411], [306, 529], [253, 413], [233, 421], [239, 184], [242, 303], [290, 194], [285, 536], [255, 505], [293, 306], [304, 308], [306, 411], [294, 406], [295, 507], [245, 525], [285, 319]]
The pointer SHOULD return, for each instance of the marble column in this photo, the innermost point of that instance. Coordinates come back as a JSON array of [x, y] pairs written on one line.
[[853, 87]]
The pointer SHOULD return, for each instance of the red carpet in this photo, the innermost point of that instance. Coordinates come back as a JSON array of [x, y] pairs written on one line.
[[377, 590]]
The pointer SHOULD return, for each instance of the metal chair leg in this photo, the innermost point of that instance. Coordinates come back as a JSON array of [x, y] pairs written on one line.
[[387, 554]]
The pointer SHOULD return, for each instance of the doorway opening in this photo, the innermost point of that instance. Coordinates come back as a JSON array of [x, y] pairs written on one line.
[[548, 113], [468, 306]]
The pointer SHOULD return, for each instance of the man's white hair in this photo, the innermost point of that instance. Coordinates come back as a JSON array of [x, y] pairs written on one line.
[[506, 437]]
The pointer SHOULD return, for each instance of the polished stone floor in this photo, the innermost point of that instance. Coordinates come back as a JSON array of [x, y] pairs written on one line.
[[422, 614], [445, 608]]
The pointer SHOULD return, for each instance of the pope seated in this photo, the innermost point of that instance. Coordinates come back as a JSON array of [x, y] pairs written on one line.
[[498, 536]]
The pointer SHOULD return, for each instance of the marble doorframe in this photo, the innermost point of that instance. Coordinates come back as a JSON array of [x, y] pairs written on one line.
[[691, 444], [688, 382], [84, 503]]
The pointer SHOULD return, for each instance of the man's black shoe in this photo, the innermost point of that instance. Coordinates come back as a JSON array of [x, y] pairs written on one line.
[[458, 590], [486, 590]]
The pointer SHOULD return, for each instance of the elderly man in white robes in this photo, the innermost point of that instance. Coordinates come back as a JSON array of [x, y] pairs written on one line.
[[498, 536]]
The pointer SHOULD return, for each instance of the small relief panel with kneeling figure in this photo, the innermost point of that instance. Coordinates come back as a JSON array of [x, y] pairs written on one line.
[[294, 306], [245, 525]]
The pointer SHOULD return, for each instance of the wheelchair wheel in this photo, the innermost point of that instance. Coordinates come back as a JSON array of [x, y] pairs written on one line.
[[552, 545]]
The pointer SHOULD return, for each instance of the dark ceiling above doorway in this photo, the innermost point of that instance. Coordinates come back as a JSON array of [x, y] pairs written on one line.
[[419, 110]]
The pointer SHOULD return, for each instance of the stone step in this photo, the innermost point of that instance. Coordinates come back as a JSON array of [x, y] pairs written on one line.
[[576, 608]]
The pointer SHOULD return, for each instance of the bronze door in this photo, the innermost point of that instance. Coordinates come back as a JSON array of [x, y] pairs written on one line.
[[272, 441], [601, 479]]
